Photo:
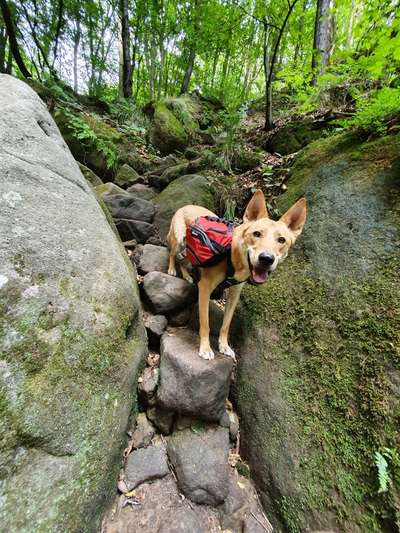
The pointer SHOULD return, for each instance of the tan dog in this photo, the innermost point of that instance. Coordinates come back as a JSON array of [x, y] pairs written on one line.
[[258, 246]]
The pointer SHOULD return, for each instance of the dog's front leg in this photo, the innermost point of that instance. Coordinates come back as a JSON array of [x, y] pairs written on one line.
[[233, 298], [205, 290]]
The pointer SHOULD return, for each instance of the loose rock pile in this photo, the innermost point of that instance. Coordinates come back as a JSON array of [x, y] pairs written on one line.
[[178, 471]]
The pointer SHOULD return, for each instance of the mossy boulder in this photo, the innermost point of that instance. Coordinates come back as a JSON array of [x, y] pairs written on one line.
[[166, 132], [71, 337], [318, 379], [126, 176], [190, 189], [296, 135], [90, 176], [244, 159]]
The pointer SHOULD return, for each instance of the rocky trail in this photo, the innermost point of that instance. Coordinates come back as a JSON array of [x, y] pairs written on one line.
[[180, 471]]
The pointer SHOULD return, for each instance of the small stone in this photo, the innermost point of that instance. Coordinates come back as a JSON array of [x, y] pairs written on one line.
[[163, 420], [234, 425], [126, 175], [142, 191], [155, 326], [127, 206], [200, 461], [154, 258], [167, 293], [184, 422], [143, 433], [147, 385], [145, 464]]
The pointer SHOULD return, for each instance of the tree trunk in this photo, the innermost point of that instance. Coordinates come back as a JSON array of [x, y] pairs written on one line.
[[188, 71], [126, 49], [58, 29], [349, 40], [77, 38], [3, 44], [5, 11], [323, 34], [269, 124]]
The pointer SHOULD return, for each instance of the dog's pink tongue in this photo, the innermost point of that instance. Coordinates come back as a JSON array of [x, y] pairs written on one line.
[[259, 276]]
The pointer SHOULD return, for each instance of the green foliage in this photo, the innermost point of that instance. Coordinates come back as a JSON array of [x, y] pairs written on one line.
[[84, 132], [374, 113]]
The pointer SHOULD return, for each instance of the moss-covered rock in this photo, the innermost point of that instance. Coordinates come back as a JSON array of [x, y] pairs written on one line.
[[318, 381], [296, 135], [166, 132], [190, 189], [126, 176], [90, 176], [71, 338], [244, 160]]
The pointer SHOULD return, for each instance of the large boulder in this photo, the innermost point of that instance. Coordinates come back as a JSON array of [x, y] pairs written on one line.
[[190, 189], [126, 176], [319, 373], [200, 460], [128, 206], [146, 464], [154, 258], [166, 132], [71, 338], [189, 384]]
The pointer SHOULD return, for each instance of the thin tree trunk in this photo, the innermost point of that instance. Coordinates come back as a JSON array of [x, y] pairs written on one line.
[[268, 93], [322, 44], [349, 40], [269, 124], [7, 18], [3, 44], [188, 71], [77, 38], [214, 69], [126, 49], [36, 40], [58, 29]]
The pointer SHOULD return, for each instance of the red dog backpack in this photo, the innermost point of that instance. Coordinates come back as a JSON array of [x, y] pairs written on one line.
[[208, 241]]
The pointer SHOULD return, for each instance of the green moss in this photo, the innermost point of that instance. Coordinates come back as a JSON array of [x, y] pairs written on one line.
[[317, 378], [166, 132]]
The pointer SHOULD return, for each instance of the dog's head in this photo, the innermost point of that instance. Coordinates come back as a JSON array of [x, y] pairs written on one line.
[[266, 242]]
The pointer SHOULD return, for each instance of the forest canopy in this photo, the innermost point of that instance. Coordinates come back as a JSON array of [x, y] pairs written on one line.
[[235, 50]]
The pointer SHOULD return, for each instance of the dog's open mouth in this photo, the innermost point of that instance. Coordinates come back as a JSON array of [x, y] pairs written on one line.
[[259, 275]]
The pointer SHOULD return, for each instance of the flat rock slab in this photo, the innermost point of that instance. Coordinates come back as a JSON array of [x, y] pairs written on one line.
[[154, 258], [129, 206], [201, 465], [167, 293], [145, 464], [189, 384]]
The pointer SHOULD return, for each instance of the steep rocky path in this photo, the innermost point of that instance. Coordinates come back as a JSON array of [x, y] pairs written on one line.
[[180, 471]]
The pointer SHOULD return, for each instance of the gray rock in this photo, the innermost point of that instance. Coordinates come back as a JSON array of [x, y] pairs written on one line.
[[142, 191], [155, 326], [233, 509], [189, 384], [126, 175], [201, 465], [154, 259], [145, 464], [163, 420], [137, 230], [182, 317], [147, 385], [182, 521], [167, 293], [189, 189], [130, 207], [251, 525], [71, 341], [109, 188], [143, 433]]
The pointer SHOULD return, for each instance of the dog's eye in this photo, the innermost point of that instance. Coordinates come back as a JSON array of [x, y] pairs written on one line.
[[281, 240], [256, 233]]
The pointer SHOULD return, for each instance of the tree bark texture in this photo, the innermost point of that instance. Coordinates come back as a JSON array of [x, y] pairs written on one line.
[[7, 18]]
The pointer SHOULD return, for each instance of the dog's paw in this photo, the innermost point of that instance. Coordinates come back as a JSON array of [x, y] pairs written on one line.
[[172, 271], [227, 350], [188, 278], [206, 354]]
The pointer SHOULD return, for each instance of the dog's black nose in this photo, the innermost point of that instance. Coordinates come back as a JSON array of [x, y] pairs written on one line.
[[266, 258]]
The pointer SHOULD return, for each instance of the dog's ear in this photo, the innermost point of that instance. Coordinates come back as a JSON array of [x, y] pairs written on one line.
[[256, 208], [295, 217]]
